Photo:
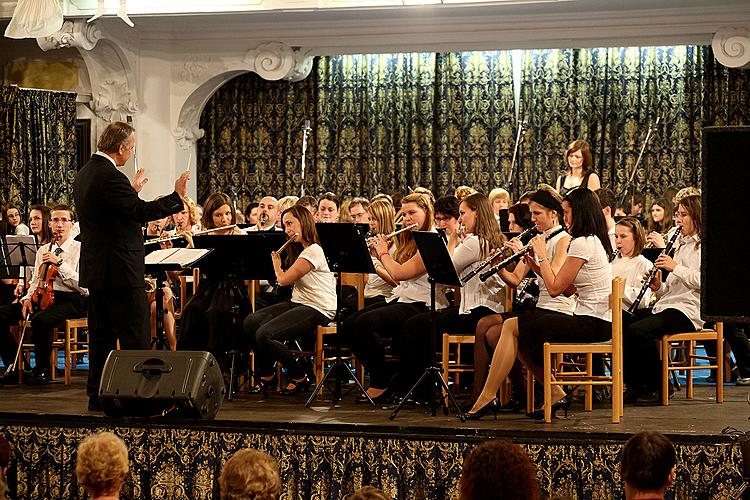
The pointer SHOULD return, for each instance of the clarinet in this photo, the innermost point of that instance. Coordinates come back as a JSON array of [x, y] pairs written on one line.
[[527, 234], [668, 250], [516, 256]]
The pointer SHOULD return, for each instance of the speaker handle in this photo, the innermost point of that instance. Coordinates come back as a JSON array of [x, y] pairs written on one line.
[[153, 365]]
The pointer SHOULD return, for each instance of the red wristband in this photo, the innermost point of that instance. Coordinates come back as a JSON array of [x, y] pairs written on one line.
[[381, 255]]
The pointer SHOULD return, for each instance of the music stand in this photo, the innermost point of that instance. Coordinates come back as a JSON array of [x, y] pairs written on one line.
[[19, 251], [158, 263], [236, 258], [440, 271], [346, 251]]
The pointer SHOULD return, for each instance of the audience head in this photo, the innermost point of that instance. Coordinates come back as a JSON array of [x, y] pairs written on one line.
[[498, 466], [102, 464], [250, 474], [284, 203], [309, 202], [446, 214], [584, 217], [381, 217], [396, 198], [251, 213], [118, 142], [358, 210], [630, 237], [463, 191], [328, 208], [499, 199], [519, 218], [636, 204], [218, 211], [268, 212], [39, 223], [578, 154], [369, 493], [648, 464], [382, 196]]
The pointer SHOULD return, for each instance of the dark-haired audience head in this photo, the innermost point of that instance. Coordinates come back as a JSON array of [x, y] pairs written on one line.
[[519, 218], [4, 462], [39, 223], [369, 493], [660, 216], [636, 204], [358, 210], [250, 474], [251, 213], [579, 153], [102, 464], [118, 142], [648, 465], [309, 202], [218, 211], [498, 469], [584, 217], [446, 214], [328, 208]]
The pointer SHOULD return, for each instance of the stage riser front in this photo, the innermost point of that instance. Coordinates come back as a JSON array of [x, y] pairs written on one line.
[[174, 462]]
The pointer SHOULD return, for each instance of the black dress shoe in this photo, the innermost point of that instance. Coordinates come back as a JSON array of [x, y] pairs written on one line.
[[491, 406], [563, 404], [94, 404]]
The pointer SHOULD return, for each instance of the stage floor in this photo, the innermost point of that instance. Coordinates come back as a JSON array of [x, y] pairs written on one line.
[[700, 417]]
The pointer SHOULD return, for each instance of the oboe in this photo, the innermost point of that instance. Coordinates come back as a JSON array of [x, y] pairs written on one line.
[[650, 276], [528, 233], [516, 256]]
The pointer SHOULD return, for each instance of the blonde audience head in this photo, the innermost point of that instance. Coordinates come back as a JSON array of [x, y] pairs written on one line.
[[102, 464], [250, 473]]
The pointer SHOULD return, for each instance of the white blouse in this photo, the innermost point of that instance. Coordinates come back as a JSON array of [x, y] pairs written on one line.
[[560, 303], [475, 293], [632, 270], [594, 280], [317, 288], [682, 290]]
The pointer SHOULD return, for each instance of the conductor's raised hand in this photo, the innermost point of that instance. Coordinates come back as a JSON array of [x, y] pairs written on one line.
[[180, 185], [139, 180]]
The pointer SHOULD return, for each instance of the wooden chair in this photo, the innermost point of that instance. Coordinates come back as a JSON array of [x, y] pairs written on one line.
[[451, 350], [75, 343], [28, 348], [686, 342], [586, 378]]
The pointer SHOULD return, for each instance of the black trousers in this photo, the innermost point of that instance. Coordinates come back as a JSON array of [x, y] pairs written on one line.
[[641, 361], [368, 331], [114, 314], [416, 354], [67, 305]]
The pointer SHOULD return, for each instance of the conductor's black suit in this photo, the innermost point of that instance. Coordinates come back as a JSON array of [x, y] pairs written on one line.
[[112, 259]]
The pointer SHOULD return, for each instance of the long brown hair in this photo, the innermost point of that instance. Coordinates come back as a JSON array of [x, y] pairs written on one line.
[[485, 225], [309, 233], [692, 206], [585, 149], [406, 247], [213, 203], [636, 229]]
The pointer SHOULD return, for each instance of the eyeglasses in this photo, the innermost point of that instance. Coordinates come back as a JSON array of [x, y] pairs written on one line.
[[60, 221]]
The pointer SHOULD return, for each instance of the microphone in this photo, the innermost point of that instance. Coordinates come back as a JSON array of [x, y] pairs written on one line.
[[307, 127]]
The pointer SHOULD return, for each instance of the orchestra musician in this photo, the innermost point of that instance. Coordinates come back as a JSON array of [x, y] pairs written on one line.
[[112, 252], [12, 221], [42, 231], [313, 303], [546, 214], [268, 214], [585, 271], [379, 286], [578, 169], [660, 222], [328, 208], [68, 302], [446, 218], [186, 220], [478, 299], [366, 331], [677, 308], [628, 262], [499, 199]]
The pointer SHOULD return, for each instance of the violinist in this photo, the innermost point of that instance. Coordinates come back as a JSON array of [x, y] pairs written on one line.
[[54, 296]]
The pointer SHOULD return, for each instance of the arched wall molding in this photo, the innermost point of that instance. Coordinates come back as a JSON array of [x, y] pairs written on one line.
[[731, 47]]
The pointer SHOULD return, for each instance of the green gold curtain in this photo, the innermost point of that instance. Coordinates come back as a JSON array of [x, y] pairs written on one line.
[[37, 133], [727, 93], [610, 97]]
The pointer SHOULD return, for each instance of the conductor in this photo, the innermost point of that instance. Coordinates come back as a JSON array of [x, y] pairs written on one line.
[[112, 261]]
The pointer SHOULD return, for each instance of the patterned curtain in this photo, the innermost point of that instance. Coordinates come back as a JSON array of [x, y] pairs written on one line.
[[380, 123], [610, 97], [726, 93], [38, 162]]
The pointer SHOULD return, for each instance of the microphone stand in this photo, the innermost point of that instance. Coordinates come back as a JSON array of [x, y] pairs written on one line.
[[523, 126], [305, 131], [629, 183]]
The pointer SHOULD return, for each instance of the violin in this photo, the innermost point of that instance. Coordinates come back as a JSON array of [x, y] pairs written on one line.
[[44, 295]]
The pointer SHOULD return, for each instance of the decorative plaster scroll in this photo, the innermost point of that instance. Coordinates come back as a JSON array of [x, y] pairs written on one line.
[[731, 47], [187, 130], [114, 101], [276, 61], [190, 71], [74, 33]]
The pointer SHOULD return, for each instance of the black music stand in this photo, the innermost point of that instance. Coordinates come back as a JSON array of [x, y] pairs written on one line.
[[440, 271], [346, 252], [236, 258], [171, 259], [19, 251]]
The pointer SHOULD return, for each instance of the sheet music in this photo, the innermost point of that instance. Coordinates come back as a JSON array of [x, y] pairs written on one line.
[[182, 256]]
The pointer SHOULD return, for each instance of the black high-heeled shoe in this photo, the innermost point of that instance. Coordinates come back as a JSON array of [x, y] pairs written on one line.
[[297, 386], [266, 384], [562, 404], [484, 410]]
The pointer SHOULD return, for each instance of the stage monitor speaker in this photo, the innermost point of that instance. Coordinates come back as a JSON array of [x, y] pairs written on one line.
[[725, 275], [185, 384]]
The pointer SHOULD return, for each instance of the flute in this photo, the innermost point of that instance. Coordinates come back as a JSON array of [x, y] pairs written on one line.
[[370, 243], [516, 256], [178, 236], [287, 242], [532, 231]]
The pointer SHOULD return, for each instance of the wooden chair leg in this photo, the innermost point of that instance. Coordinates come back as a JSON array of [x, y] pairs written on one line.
[[68, 355], [446, 358], [547, 384], [529, 391], [689, 373], [665, 350], [720, 366], [589, 390]]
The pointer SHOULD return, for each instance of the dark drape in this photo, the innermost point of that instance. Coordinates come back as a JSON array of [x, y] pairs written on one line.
[[390, 122], [37, 134]]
